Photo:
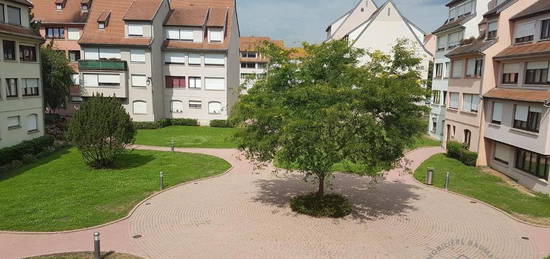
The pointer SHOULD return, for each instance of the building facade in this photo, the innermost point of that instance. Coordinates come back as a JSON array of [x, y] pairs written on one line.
[[462, 23], [21, 104], [253, 63]]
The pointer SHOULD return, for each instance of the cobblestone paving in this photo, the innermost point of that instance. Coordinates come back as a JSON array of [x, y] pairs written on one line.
[[245, 214]]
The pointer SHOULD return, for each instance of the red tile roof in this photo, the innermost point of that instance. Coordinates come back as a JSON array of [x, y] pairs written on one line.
[[187, 16], [45, 11], [525, 95], [524, 50], [142, 10], [253, 43], [540, 7], [18, 31]]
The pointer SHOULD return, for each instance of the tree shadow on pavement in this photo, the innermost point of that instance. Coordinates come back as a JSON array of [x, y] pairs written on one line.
[[371, 201]]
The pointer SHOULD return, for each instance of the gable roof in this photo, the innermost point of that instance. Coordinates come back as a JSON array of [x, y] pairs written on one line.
[[525, 50], [46, 12], [142, 10], [18, 31], [351, 13], [499, 8], [540, 7], [459, 22], [476, 47]]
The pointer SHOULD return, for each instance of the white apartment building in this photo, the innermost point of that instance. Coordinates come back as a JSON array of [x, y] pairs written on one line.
[[464, 17], [163, 59], [21, 104]]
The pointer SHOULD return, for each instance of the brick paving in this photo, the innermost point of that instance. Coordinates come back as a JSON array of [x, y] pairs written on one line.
[[245, 214]]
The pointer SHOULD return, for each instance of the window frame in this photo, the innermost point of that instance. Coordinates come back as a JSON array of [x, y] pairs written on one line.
[[18, 126], [9, 86], [195, 106], [35, 117], [18, 13], [23, 57], [77, 57], [545, 32], [221, 108], [12, 50], [194, 85], [540, 74], [520, 157], [533, 121], [493, 121], [60, 31], [170, 82], [35, 91]]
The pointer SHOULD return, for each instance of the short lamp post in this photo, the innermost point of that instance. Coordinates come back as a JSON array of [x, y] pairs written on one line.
[[97, 248], [429, 176], [161, 181], [173, 144], [447, 178]]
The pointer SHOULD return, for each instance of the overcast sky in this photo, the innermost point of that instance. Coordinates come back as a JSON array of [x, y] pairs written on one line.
[[295, 21]]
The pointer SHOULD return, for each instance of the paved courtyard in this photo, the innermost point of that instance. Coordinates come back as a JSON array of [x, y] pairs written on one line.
[[245, 214]]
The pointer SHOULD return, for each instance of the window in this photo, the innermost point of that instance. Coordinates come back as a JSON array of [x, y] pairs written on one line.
[[458, 67], [532, 163], [14, 15], [537, 73], [76, 79], [91, 80], [470, 67], [2, 18], [248, 65], [27, 53], [135, 30], [478, 71], [32, 123], [438, 70], [195, 82], [30, 87], [195, 105], [176, 106], [215, 35], [524, 32], [91, 54], [137, 55], [467, 138], [492, 30], [214, 59], [56, 33], [510, 73], [436, 97], [11, 87], [173, 34], [213, 83], [527, 118], [444, 97], [139, 107], [249, 54], [441, 43], [545, 32], [109, 80], [195, 59], [470, 103], [74, 55], [101, 25], [76, 99], [455, 38], [14, 122], [447, 69], [214, 107], [109, 54], [454, 101], [9, 50], [174, 58], [497, 113], [73, 34], [434, 125], [186, 35], [175, 82], [59, 6], [501, 153], [139, 80]]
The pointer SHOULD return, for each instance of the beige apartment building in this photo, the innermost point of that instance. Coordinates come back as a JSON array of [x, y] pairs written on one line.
[[21, 105], [253, 63]]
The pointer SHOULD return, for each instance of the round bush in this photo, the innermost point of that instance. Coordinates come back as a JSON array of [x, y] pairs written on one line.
[[330, 205]]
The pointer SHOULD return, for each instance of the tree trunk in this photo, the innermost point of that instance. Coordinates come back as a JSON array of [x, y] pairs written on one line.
[[321, 191]]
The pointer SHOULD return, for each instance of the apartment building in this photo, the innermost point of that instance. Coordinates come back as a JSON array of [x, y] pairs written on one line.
[[163, 59], [253, 63], [61, 24], [21, 105], [516, 132]]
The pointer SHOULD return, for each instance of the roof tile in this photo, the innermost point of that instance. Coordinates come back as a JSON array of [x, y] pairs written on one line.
[[142, 10], [539, 96], [540, 7], [18, 31], [45, 11], [523, 50]]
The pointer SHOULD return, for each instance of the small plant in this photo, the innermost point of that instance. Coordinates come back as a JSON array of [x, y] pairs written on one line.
[[329, 205]]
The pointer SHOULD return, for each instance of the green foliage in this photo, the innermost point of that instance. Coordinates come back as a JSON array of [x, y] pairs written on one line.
[[220, 124], [184, 122], [101, 129], [330, 205], [56, 77], [457, 151], [327, 109], [29, 147], [163, 123]]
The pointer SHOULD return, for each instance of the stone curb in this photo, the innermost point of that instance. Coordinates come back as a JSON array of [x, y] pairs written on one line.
[[135, 207]]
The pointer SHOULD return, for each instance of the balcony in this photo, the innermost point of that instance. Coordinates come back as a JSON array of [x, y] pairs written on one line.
[[102, 65]]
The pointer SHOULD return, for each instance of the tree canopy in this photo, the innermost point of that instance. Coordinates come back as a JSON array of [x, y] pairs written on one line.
[[57, 78], [326, 108]]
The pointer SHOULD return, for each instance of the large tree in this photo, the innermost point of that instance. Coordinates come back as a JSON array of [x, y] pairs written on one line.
[[57, 78], [327, 108]]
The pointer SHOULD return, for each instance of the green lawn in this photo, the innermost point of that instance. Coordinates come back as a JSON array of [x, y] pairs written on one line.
[[187, 136], [60, 192], [425, 141], [471, 181]]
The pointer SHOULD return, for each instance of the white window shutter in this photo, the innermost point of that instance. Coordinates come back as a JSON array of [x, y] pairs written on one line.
[[140, 107], [91, 53], [135, 29], [214, 59], [173, 34], [511, 68], [537, 65], [174, 57], [501, 152], [497, 112], [458, 68], [454, 100], [137, 55], [110, 79], [91, 80], [216, 35], [13, 121], [535, 109], [475, 102], [522, 112], [214, 107], [109, 53], [32, 122], [467, 102], [471, 67], [212, 83], [177, 106], [195, 59], [139, 80], [492, 26], [525, 29], [73, 33], [186, 34]]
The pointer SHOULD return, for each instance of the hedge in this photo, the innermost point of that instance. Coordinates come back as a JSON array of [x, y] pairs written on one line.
[[165, 123], [220, 124], [25, 148], [458, 151]]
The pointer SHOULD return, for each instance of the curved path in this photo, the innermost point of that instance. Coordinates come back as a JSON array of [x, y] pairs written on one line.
[[245, 214]]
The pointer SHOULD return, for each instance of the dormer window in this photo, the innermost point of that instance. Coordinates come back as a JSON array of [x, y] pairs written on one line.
[[59, 4], [135, 30], [84, 7], [103, 20], [215, 35]]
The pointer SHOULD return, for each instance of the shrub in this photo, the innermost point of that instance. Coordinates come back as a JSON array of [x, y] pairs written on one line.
[[185, 122], [34, 146], [101, 129], [28, 158], [220, 124], [163, 123], [145, 125], [330, 205], [459, 152]]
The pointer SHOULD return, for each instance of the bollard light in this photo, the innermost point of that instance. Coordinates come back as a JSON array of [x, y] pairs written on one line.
[[447, 181], [161, 181], [173, 145], [429, 176], [97, 248]]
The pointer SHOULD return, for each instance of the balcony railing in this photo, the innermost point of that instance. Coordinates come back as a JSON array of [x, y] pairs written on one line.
[[102, 65]]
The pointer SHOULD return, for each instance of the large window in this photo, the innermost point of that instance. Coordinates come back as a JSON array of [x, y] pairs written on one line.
[[458, 68], [56, 33], [532, 163], [32, 123], [455, 38], [454, 100], [184, 34], [27, 53], [545, 32], [175, 82], [195, 82], [501, 153], [470, 103], [510, 73], [497, 113], [14, 15], [9, 49], [527, 118], [537, 73], [524, 32], [11, 87], [30, 87], [214, 107]]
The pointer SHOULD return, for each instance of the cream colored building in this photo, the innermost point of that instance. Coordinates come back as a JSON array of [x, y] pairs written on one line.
[[21, 105]]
